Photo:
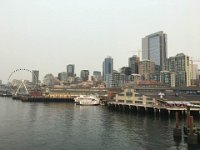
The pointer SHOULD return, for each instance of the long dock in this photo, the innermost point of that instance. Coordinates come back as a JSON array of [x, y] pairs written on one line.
[[152, 109], [46, 99], [43, 99]]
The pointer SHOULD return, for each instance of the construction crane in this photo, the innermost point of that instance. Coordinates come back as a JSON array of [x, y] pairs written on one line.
[[139, 53]]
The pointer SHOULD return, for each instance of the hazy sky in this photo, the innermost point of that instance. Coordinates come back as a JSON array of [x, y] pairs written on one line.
[[46, 35]]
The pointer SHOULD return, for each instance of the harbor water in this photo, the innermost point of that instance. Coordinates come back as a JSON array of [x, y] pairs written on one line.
[[61, 126]]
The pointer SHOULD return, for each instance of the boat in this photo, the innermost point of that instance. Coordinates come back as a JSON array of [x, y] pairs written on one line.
[[88, 100]]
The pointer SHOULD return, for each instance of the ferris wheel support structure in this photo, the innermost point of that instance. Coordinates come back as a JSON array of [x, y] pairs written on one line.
[[22, 84]]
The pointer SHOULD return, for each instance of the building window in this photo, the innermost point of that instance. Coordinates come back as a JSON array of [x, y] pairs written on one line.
[[129, 94]]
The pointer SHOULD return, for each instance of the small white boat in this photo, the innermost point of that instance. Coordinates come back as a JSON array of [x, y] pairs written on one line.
[[87, 100]]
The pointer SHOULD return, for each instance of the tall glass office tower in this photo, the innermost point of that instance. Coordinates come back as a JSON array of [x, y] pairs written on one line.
[[70, 69], [107, 67], [35, 76], [133, 63], [154, 48]]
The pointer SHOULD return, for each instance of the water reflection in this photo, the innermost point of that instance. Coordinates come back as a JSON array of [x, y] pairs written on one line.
[[70, 126]]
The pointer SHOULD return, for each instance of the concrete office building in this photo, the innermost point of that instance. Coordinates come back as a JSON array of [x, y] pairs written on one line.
[[146, 68]]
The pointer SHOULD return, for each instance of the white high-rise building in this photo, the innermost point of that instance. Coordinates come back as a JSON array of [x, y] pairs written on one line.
[[194, 71]]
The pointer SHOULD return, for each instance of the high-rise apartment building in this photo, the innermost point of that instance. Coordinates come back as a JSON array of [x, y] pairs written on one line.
[[182, 70], [133, 63], [167, 78], [107, 67], [170, 64], [35, 76], [71, 70], [154, 48]]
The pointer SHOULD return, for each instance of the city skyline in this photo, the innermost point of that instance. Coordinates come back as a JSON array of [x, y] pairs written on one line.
[[47, 35]]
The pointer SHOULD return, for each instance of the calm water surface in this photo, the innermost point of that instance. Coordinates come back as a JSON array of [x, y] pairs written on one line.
[[59, 126]]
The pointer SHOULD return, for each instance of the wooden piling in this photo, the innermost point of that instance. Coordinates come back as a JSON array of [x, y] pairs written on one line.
[[176, 119], [188, 117], [176, 131]]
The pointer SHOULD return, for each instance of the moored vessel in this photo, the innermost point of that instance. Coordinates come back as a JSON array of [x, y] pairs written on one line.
[[88, 100]]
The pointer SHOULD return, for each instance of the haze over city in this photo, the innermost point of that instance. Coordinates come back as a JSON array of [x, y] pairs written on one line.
[[47, 35]]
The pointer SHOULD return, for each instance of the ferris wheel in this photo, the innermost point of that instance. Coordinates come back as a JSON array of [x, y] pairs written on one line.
[[19, 83]]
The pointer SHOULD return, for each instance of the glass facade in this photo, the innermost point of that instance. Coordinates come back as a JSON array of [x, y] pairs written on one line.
[[133, 63], [107, 67], [35, 76], [70, 70], [165, 78], [154, 49], [181, 79], [145, 51], [171, 64], [182, 69]]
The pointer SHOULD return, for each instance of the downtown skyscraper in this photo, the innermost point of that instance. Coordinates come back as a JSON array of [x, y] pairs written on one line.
[[107, 67], [84, 75], [133, 63], [154, 48], [71, 70], [35, 76]]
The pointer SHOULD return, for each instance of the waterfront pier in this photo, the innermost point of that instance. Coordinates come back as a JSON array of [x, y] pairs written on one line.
[[131, 101], [60, 95], [154, 110]]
